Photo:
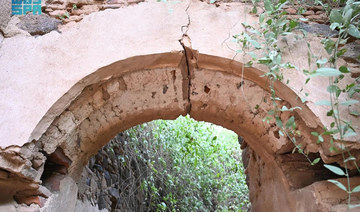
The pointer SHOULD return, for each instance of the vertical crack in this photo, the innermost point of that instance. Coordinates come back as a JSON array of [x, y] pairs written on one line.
[[188, 75], [184, 37]]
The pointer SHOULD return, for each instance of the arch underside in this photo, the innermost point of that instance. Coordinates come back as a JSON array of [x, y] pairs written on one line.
[[164, 86]]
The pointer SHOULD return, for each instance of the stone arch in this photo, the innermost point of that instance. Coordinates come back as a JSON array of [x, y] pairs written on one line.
[[147, 91], [164, 86]]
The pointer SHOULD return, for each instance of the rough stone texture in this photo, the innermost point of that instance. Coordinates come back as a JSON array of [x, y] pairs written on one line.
[[352, 54], [318, 29], [5, 12], [77, 10], [77, 89], [38, 24], [109, 184], [1, 38], [12, 30]]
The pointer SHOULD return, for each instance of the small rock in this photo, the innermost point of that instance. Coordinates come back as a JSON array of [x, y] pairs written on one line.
[[28, 200], [36, 163], [112, 6], [114, 192], [134, 1], [107, 178], [38, 24], [317, 8], [308, 12], [56, 13], [114, 177], [317, 18], [12, 29], [56, 6], [319, 12], [75, 18], [291, 11], [86, 10], [43, 191], [88, 181], [116, 2], [353, 52], [355, 74], [319, 29], [294, 17], [101, 201]]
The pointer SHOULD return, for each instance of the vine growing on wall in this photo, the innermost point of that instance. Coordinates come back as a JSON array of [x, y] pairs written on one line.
[[344, 17]]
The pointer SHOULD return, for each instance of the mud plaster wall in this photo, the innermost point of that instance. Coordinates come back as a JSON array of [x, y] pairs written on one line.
[[139, 89]]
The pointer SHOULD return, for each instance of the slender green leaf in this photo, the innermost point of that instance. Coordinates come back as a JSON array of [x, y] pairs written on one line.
[[255, 44], [281, 22], [351, 206], [315, 161], [350, 133], [335, 169], [264, 60], [349, 159], [344, 69], [268, 6], [290, 122], [330, 113], [356, 189], [279, 122], [315, 134], [354, 31], [347, 16], [354, 113], [321, 61], [332, 88], [320, 139], [349, 102], [262, 17], [323, 102], [326, 72], [333, 26], [338, 184]]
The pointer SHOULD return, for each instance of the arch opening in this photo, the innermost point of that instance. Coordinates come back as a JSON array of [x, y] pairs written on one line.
[[182, 164]]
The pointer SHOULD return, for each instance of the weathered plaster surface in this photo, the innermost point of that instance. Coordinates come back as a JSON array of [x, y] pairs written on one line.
[[36, 72], [76, 89]]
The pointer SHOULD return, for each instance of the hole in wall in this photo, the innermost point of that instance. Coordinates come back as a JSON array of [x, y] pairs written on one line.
[[206, 89], [276, 134], [165, 88], [136, 170], [55, 169]]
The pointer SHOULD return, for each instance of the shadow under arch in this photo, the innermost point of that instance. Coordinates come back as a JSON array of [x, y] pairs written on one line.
[[163, 86]]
